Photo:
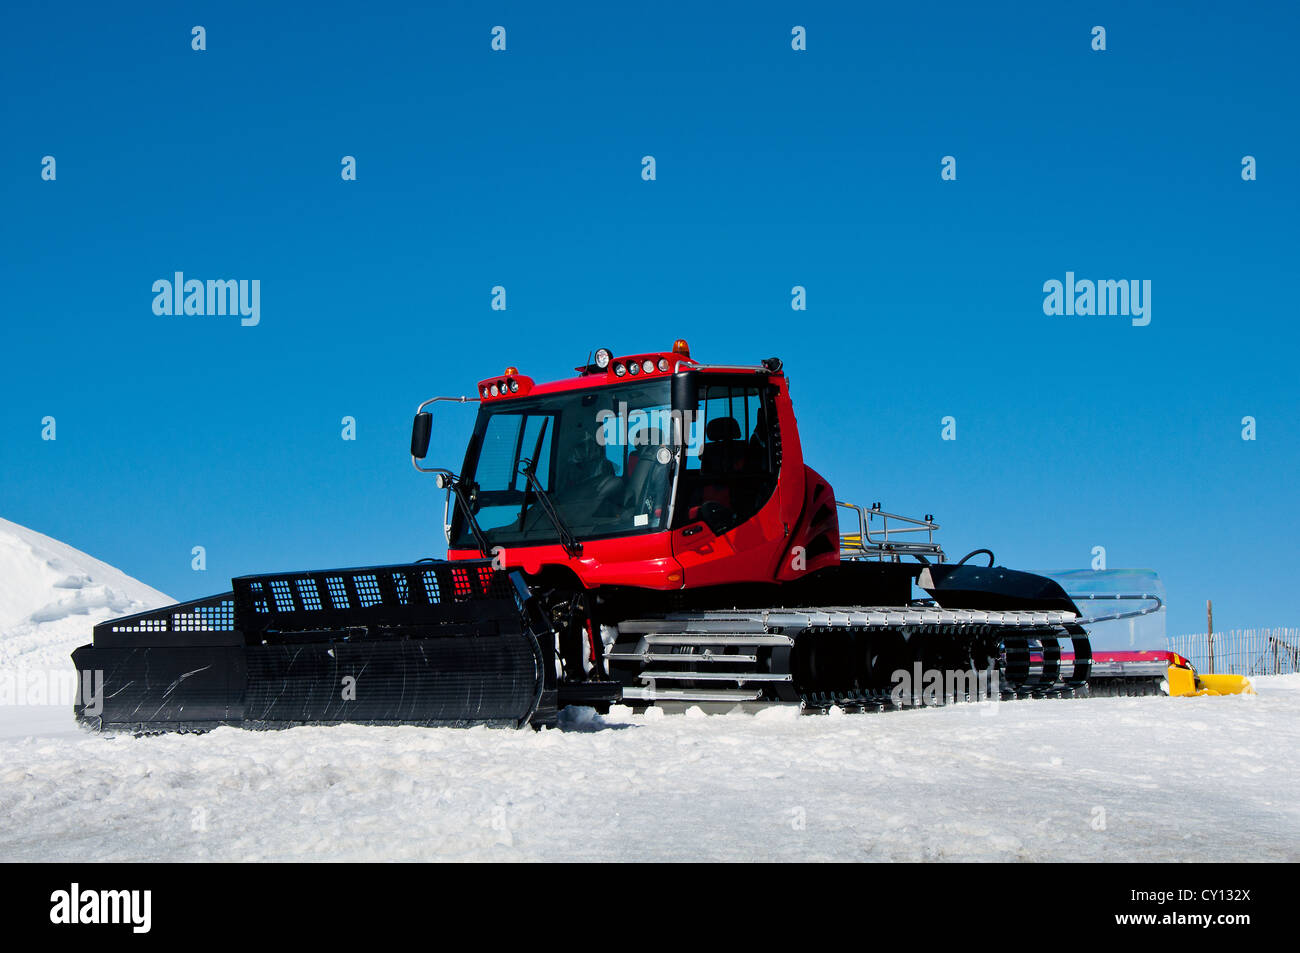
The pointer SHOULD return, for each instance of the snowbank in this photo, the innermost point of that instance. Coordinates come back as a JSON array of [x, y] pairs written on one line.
[[52, 595]]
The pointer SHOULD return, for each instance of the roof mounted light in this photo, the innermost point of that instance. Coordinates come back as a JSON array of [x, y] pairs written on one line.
[[511, 370], [619, 370], [633, 367], [514, 386], [663, 363], [603, 357], [681, 347]]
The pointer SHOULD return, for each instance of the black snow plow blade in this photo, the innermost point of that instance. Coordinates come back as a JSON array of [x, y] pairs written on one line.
[[431, 643]]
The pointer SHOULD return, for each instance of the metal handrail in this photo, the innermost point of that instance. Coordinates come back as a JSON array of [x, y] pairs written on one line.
[[867, 542], [1158, 604]]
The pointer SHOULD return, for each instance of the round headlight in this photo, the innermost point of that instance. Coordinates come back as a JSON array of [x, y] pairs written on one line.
[[495, 390], [648, 366], [619, 370], [634, 368], [602, 357], [663, 363], [514, 387], [485, 391]]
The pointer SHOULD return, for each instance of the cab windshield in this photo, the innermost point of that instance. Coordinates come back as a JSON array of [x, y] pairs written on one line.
[[602, 456]]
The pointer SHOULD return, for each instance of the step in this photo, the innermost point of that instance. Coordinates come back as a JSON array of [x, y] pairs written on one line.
[[741, 677], [690, 695], [677, 657], [682, 638]]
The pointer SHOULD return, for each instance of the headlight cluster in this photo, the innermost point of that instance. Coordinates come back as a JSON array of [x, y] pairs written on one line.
[[501, 387], [647, 366], [603, 360]]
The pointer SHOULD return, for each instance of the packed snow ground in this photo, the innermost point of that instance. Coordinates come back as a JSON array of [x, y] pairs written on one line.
[[1106, 779]]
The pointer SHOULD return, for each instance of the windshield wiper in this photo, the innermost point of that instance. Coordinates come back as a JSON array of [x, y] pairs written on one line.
[[537, 452], [449, 481], [570, 542]]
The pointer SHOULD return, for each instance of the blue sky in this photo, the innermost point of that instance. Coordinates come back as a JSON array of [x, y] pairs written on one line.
[[775, 168]]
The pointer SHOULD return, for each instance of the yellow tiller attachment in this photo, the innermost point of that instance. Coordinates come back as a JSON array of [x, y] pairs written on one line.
[[1183, 681]]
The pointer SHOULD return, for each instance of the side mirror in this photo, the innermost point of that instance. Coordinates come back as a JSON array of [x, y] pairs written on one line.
[[420, 430]]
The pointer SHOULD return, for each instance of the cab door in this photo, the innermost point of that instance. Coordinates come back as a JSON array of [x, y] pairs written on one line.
[[727, 521]]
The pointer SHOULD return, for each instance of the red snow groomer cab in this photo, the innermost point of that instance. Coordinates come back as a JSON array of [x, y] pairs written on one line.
[[649, 471]]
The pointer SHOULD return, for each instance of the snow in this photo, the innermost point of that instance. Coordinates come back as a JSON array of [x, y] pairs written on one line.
[[52, 595], [1113, 779], [1104, 779]]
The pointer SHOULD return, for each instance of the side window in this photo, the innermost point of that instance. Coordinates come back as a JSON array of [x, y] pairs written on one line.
[[733, 430], [730, 459], [763, 442]]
